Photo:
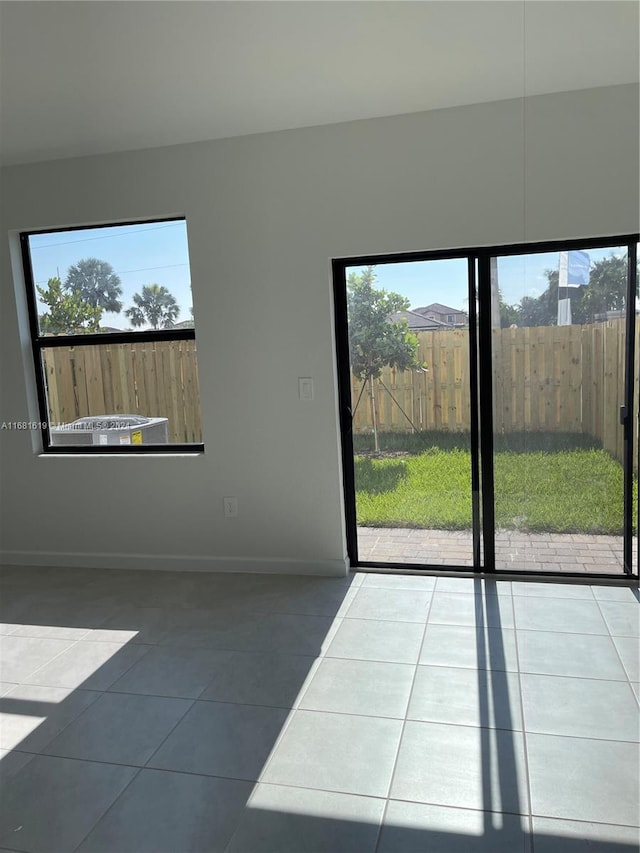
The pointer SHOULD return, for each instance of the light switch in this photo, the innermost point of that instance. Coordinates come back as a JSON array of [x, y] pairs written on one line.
[[305, 388]]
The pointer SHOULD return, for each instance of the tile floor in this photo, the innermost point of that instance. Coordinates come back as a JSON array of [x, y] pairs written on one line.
[[166, 712]]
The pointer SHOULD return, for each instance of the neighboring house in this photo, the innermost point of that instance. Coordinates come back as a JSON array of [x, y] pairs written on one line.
[[433, 317]]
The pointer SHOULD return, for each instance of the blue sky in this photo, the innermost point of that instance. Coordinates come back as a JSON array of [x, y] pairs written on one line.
[[150, 253], [157, 252], [445, 281]]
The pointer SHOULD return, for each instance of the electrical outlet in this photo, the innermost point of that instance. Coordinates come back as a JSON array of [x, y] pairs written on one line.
[[230, 507]]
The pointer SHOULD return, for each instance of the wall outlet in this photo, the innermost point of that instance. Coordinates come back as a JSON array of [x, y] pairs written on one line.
[[230, 507]]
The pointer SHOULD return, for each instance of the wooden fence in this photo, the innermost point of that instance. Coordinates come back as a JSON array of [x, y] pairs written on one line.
[[548, 378], [152, 379], [556, 378]]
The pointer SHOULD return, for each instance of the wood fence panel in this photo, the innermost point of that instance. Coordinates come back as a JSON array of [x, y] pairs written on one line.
[[558, 373], [506, 366], [440, 353], [158, 373], [464, 391], [420, 401], [567, 378], [431, 388], [446, 367], [69, 408], [455, 379], [164, 386], [619, 372], [571, 380], [106, 365], [80, 382], [613, 353], [177, 405], [527, 413], [597, 345], [54, 393], [117, 393], [516, 376], [384, 411], [152, 380], [587, 380], [93, 360], [192, 392], [540, 387], [147, 381]]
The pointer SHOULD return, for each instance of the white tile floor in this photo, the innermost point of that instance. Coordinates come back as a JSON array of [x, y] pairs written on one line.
[[157, 712]]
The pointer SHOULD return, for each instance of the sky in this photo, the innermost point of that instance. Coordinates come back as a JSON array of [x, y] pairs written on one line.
[[445, 281], [157, 252], [150, 253]]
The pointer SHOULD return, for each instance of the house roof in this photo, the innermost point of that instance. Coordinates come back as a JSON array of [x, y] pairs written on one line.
[[438, 308], [418, 322]]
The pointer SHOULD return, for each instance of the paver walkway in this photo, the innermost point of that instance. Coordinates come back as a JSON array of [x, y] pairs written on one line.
[[515, 551]]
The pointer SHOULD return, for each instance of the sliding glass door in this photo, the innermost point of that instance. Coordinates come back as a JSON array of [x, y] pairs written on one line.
[[558, 385], [410, 403], [489, 408]]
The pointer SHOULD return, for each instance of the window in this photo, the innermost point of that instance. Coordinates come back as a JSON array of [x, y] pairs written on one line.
[[113, 336], [451, 319]]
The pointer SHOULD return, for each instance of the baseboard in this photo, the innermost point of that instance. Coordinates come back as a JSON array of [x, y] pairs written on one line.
[[177, 563]]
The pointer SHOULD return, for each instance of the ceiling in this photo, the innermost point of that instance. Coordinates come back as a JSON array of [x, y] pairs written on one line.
[[91, 77]]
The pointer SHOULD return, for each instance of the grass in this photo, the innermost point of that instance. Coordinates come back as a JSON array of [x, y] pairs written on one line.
[[517, 442], [563, 491]]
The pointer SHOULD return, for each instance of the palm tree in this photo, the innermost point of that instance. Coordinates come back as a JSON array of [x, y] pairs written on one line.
[[155, 305], [96, 283]]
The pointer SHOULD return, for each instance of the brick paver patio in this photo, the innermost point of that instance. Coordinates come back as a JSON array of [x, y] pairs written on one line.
[[515, 551]]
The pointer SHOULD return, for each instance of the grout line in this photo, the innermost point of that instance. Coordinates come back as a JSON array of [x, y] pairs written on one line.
[[108, 809], [317, 658], [612, 637], [171, 730], [196, 699], [33, 672], [140, 768], [525, 746], [587, 823], [72, 692], [404, 724]]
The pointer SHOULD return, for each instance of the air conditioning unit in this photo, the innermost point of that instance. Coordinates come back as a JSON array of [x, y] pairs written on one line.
[[119, 430]]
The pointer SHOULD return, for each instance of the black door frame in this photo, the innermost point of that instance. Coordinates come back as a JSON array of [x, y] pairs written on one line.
[[481, 389]]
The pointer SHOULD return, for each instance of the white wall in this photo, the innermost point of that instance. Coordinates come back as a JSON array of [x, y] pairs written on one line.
[[265, 216]]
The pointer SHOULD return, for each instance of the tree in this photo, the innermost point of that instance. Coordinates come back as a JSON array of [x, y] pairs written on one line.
[[606, 291], [541, 310], [509, 314], [376, 341], [155, 305], [68, 314], [95, 282]]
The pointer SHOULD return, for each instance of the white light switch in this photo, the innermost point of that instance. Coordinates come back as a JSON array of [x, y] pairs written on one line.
[[305, 388]]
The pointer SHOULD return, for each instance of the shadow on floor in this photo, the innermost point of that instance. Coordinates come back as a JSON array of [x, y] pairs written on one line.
[[125, 681]]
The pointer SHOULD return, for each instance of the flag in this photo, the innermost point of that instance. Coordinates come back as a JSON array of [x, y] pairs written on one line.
[[578, 272], [573, 269]]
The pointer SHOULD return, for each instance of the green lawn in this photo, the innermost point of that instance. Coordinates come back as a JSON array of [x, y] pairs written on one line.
[[564, 491]]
